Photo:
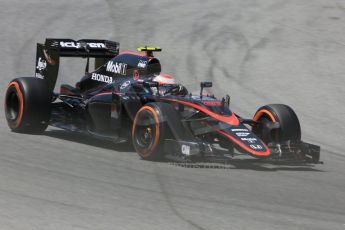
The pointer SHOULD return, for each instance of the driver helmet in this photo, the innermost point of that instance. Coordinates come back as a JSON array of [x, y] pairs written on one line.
[[164, 79]]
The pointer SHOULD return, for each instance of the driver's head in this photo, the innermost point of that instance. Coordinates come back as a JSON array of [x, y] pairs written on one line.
[[164, 79], [168, 85]]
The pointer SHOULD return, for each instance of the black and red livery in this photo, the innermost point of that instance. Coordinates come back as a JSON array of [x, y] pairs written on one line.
[[122, 100]]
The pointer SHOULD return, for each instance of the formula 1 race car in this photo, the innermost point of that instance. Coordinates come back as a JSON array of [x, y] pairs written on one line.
[[127, 98]]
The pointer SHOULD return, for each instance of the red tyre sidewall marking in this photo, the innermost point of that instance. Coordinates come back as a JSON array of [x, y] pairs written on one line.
[[19, 93], [264, 111]]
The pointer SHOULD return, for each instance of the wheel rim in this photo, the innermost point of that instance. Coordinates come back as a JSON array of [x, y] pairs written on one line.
[[146, 131], [12, 106], [145, 134], [263, 131]]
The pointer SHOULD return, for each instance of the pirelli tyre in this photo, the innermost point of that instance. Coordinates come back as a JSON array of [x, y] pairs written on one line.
[[277, 123], [27, 105], [152, 125]]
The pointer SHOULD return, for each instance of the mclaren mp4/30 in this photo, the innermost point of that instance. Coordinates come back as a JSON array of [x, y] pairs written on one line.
[[127, 98]]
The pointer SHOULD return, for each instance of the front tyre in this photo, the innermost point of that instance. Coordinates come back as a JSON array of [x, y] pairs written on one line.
[[27, 105], [267, 116], [153, 124]]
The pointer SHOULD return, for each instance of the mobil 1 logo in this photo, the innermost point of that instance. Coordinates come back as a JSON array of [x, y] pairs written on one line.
[[115, 67]]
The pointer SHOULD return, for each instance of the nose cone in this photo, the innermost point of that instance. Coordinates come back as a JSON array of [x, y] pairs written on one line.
[[246, 140]]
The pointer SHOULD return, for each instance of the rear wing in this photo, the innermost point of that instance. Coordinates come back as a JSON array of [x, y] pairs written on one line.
[[48, 54], [84, 47]]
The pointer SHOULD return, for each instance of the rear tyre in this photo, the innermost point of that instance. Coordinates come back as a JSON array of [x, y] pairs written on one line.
[[27, 105], [151, 126], [289, 128]]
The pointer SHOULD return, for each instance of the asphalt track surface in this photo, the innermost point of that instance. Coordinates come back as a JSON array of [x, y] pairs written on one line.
[[260, 52]]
